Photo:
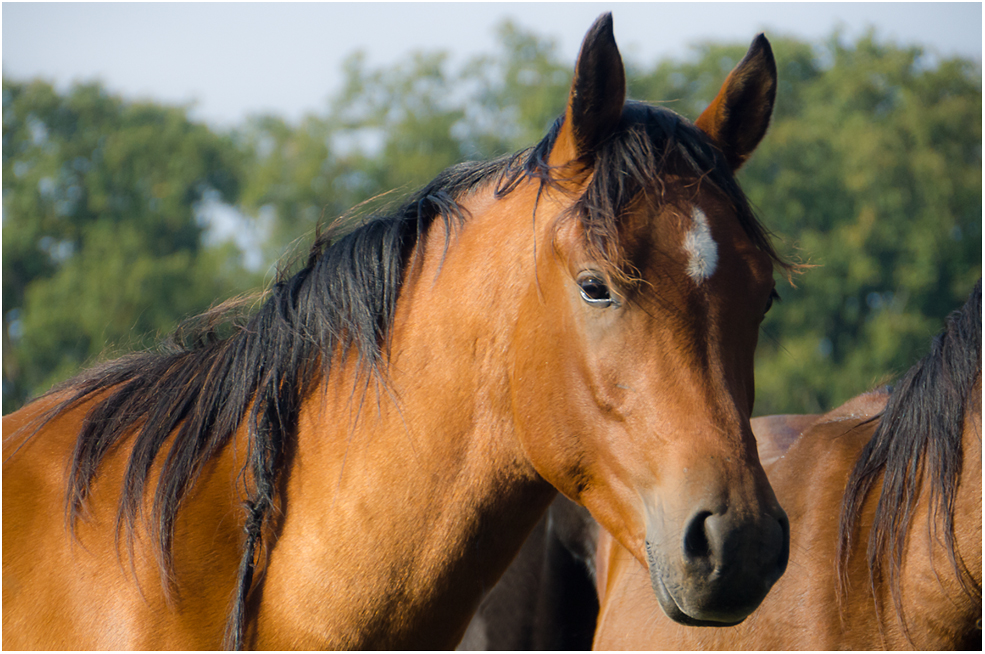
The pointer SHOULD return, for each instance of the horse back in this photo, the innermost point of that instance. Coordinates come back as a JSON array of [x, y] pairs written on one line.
[[83, 583]]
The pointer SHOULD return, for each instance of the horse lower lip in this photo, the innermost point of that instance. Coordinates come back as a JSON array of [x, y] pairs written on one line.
[[674, 611]]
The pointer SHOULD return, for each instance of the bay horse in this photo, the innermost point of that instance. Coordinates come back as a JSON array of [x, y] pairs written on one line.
[[353, 461], [884, 496]]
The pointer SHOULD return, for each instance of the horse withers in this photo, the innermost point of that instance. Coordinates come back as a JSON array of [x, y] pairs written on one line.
[[360, 457], [884, 496]]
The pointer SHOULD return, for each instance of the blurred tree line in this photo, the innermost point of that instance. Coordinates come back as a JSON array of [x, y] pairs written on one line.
[[871, 171]]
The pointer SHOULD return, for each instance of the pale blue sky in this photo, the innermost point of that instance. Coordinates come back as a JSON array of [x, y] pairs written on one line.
[[231, 59]]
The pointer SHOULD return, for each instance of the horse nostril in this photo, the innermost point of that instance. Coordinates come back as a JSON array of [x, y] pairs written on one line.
[[696, 544]]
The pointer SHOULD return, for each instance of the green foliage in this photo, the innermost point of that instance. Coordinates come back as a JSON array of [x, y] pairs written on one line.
[[870, 172], [391, 130], [876, 180], [101, 243], [289, 184]]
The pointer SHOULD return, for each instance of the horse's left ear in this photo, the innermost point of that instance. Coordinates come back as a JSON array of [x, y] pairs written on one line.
[[738, 116], [596, 98]]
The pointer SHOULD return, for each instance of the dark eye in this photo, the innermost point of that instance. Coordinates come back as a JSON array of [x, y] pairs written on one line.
[[594, 290], [769, 301]]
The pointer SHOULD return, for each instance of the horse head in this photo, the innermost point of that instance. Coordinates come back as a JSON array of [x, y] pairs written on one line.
[[632, 379]]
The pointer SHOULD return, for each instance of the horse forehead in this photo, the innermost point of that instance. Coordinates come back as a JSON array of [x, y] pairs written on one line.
[[703, 238]]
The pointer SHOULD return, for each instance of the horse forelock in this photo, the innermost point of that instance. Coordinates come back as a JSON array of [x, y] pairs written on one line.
[[649, 144], [918, 439]]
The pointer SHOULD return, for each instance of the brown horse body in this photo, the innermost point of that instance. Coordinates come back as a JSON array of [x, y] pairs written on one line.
[[575, 326], [938, 588]]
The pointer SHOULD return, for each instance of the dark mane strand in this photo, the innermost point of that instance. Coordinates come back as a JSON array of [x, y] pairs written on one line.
[[918, 438]]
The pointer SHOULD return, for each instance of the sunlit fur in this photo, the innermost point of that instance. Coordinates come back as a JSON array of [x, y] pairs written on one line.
[[342, 299]]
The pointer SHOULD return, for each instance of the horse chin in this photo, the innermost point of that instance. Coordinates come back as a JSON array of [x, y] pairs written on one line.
[[673, 610]]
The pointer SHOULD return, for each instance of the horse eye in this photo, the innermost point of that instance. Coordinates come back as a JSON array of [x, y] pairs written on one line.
[[769, 302], [594, 291]]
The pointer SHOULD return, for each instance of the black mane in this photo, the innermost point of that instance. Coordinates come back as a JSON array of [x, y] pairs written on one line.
[[202, 386], [918, 437]]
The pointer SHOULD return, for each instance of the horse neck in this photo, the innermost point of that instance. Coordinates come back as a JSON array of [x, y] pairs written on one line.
[[968, 532], [939, 611], [424, 464], [968, 517]]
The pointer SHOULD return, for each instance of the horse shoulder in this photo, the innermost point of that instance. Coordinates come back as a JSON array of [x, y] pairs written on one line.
[[817, 448], [625, 597], [775, 434], [940, 614], [810, 478]]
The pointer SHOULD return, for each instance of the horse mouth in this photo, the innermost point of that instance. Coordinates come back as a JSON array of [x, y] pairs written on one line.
[[673, 610]]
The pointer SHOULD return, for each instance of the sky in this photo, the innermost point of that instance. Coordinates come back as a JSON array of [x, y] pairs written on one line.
[[228, 60]]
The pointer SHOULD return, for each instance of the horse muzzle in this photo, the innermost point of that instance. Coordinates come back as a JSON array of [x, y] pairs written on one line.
[[716, 568]]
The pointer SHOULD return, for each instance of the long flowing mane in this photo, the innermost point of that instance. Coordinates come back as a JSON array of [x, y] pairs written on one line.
[[918, 437], [201, 387]]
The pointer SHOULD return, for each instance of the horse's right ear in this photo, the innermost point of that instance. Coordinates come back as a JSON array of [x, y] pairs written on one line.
[[598, 92]]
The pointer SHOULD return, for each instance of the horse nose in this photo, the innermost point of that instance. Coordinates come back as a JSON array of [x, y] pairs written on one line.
[[720, 547], [713, 541], [720, 564]]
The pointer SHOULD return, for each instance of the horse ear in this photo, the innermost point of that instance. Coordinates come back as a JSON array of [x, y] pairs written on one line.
[[598, 92], [738, 116]]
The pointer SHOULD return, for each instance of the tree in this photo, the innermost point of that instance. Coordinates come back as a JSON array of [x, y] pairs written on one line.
[[101, 241], [391, 130], [877, 179]]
